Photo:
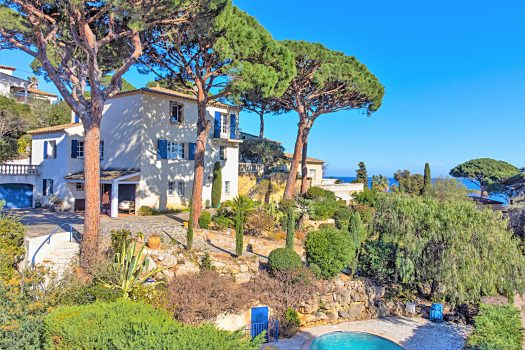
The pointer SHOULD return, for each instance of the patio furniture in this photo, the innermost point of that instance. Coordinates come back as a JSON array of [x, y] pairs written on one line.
[[126, 205], [436, 312]]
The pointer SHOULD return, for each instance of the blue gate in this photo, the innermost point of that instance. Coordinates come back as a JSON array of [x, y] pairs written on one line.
[[16, 195], [260, 323]]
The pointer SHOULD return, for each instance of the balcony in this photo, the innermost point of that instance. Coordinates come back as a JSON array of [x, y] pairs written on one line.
[[18, 169], [258, 168]]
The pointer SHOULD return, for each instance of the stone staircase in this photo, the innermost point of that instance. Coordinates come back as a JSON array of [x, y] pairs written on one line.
[[57, 252]]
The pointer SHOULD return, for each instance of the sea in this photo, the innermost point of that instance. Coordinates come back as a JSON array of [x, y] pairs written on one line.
[[391, 181]]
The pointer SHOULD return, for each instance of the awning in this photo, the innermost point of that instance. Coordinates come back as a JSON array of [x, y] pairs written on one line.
[[105, 175]]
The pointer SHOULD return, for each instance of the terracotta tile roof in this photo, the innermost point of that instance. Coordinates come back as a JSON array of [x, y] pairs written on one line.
[[105, 175], [55, 128], [7, 67], [40, 92], [167, 92], [308, 159]]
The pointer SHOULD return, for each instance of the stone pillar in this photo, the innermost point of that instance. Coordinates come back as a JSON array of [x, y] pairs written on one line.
[[114, 199]]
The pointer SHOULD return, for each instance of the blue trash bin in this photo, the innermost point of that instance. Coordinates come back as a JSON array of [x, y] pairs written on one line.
[[436, 312]]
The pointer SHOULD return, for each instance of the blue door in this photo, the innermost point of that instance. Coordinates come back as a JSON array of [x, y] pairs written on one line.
[[16, 195], [259, 321]]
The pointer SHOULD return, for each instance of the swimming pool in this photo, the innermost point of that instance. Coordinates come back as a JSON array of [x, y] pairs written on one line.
[[352, 341]]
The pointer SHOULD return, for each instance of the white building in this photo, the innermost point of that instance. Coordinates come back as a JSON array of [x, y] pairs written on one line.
[[21, 89], [147, 148]]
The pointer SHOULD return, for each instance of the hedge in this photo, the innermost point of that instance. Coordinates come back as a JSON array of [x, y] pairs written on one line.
[[133, 325]]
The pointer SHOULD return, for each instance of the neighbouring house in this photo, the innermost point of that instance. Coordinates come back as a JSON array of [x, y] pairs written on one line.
[[342, 190], [314, 167], [147, 154], [20, 89], [517, 184]]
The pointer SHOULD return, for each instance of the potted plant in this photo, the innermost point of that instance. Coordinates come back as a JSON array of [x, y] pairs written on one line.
[[154, 242], [55, 203]]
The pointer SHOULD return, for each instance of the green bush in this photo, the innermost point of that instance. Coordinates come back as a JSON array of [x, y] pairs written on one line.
[[342, 218], [496, 328], [11, 244], [331, 250], [119, 238], [204, 220], [22, 308], [133, 325], [367, 197], [222, 222], [291, 323], [147, 211], [323, 203], [377, 261], [281, 259]]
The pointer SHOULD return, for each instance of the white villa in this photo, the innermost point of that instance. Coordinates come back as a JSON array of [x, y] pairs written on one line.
[[147, 154], [21, 89]]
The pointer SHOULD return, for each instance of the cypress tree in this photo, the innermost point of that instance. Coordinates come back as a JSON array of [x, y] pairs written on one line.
[[290, 227], [189, 233], [358, 234], [427, 180], [216, 187]]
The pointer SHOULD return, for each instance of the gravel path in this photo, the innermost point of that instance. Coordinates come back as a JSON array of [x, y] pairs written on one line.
[[411, 333]]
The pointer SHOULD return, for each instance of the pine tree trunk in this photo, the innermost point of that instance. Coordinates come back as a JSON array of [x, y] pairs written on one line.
[[203, 128], [89, 252], [289, 190], [304, 168], [261, 128]]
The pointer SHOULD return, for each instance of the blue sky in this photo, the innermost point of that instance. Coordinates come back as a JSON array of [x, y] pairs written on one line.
[[454, 74]]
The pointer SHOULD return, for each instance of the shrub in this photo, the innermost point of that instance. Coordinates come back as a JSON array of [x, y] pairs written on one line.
[[498, 328], [281, 259], [222, 222], [445, 245], [331, 250], [206, 263], [367, 197], [204, 220], [377, 261], [133, 325], [22, 308], [119, 238], [198, 298], [216, 187], [291, 323], [286, 289], [258, 222], [342, 218], [11, 244], [147, 211], [319, 193]]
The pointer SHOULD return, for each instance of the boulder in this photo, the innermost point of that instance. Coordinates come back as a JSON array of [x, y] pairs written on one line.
[[243, 277], [186, 268]]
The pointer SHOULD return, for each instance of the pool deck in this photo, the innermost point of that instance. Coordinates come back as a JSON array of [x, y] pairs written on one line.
[[410, 333]]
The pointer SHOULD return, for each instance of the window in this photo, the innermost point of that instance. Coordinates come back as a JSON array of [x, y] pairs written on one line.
[[175, 113], [101, 148], [171, 191], [50, 149], [79, 187], [311, 173], [180, 188], [222, 152], [226, 187], [224, 123], [80, 149], [175, 150], [47, 189]]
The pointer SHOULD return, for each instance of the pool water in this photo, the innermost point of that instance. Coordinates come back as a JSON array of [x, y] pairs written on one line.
[[352, 341]]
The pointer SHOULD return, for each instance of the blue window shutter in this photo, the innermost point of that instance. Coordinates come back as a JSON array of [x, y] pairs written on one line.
[[162, 149], [74, 144], [191, 150], [77, 118], [217, 129], [45, 149], [233, 126]]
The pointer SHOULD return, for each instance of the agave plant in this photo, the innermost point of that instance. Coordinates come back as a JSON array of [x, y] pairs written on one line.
[[131, 267]]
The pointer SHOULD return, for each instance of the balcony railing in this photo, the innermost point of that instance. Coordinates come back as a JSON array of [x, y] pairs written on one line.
[[251, 168], [18, 169]]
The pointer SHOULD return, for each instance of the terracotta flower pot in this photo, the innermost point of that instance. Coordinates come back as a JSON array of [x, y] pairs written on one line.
[[154, 242]]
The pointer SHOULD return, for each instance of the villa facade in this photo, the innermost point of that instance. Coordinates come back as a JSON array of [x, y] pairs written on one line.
[[20, 89], [147, 153]]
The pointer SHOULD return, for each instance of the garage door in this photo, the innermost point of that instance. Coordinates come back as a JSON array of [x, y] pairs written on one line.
[[16, 195]]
